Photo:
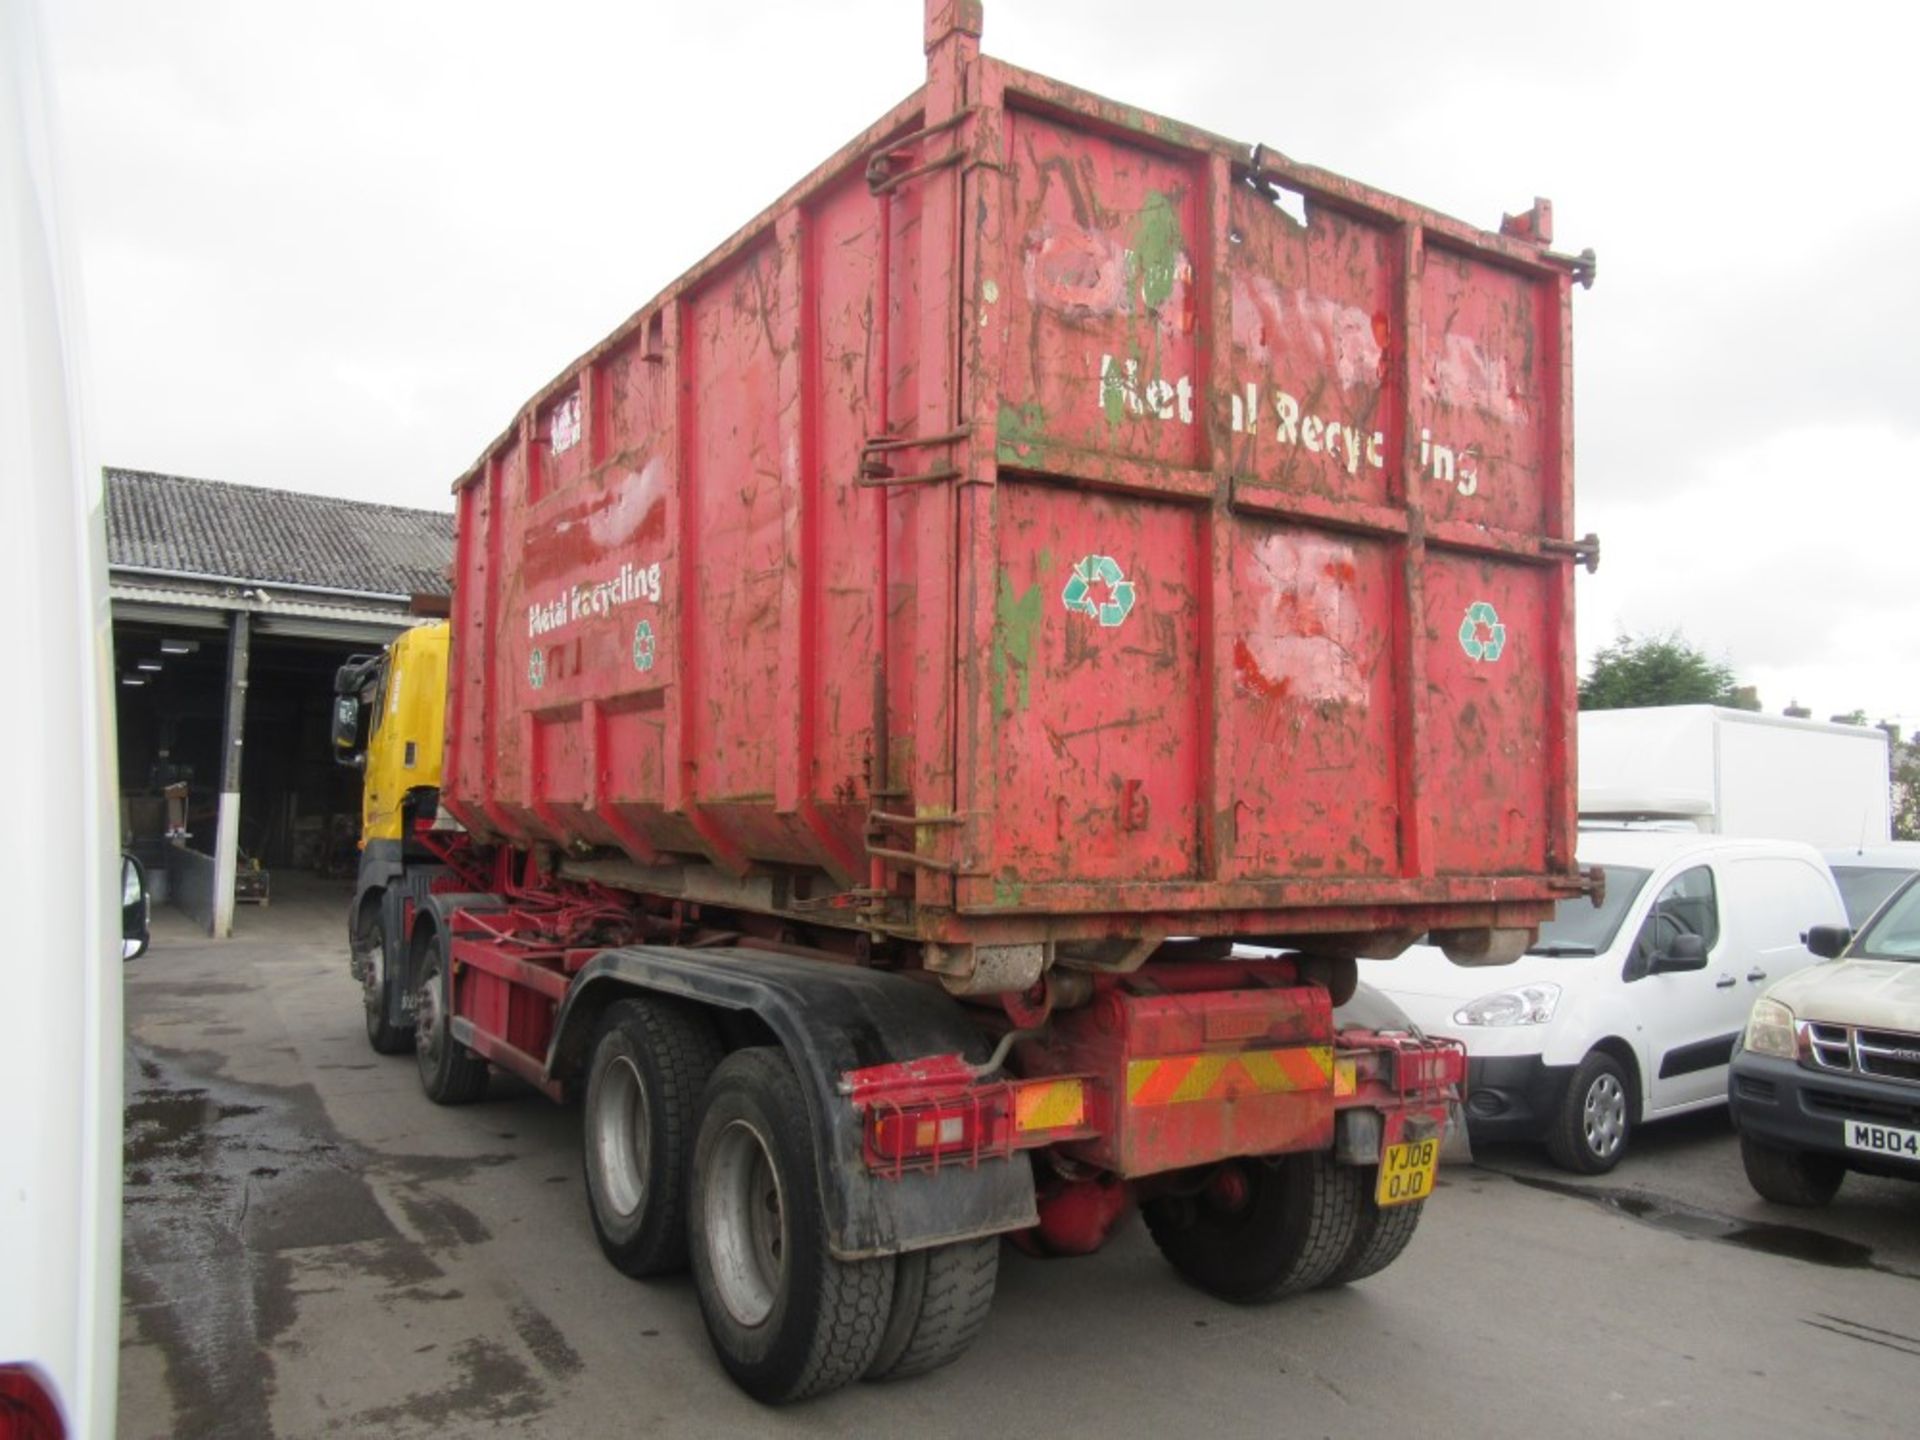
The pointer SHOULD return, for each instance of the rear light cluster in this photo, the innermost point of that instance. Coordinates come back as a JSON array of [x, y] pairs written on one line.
[[1426, 1066], [928, 1135], [1421, 1067], [27, 1408], [931, 1113]]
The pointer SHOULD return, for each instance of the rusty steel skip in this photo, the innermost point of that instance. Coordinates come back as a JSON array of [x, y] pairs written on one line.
[[1049, 526], [886, 676]]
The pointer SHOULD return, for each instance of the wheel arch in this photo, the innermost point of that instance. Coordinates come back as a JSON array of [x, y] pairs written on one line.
[[828, 1019], [367, 905], [382, 865], [1621, 1051], [432, 914], [426, 925], [578, 1020]]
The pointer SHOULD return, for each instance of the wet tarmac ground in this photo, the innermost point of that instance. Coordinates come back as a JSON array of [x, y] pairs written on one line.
[[311, 1248]]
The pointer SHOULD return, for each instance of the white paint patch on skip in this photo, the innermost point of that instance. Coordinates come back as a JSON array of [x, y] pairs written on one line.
[[565, 429], [619, 519], [1310, 633], [1465, 377], [1298, 325], [1077, 272]]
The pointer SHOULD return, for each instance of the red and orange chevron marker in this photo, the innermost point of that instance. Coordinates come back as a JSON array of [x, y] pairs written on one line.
[[1178, 1079]]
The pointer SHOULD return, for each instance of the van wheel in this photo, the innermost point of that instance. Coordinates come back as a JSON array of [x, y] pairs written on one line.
[[1261, 1229], [375, 978], [940, 1302], [1589, 1132], [651, 1059], [1791, 1177], [450, 1073], [787, 1319]]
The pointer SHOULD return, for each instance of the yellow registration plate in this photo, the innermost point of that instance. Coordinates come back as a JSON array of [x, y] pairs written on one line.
[[1407, 1171]]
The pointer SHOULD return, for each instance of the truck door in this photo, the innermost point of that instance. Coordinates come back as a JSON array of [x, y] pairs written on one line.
[[1682, 1013]]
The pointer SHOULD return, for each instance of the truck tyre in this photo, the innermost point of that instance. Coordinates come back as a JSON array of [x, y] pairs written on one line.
[[1381, 1233], [1589, 1131], [450, 1073], [650, 1061], [376, 976], [1338, 975], [941, 1298], [1261, 1230], [787, 1319], [1791, 1177]]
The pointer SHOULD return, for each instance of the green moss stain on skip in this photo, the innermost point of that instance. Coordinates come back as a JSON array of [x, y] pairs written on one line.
[[1016, 625], [1157, 247], [1020, 430]]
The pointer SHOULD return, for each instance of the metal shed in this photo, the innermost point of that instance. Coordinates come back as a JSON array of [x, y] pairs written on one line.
[[232, 606]]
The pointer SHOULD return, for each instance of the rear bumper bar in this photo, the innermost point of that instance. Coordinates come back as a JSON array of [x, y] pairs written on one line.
[[1134, 1115]]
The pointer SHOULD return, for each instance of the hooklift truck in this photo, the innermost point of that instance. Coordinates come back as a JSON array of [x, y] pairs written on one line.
[[887, 676]]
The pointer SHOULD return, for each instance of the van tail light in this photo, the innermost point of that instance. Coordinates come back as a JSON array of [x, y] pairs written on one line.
[[27, 1407]]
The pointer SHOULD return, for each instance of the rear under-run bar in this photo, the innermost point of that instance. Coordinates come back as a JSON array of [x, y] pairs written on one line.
[[942, 1110]]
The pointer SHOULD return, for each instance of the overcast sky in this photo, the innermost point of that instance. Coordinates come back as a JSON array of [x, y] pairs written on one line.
[[332, 248]]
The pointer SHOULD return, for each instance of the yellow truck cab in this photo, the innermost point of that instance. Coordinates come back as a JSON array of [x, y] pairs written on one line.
[[388, 722], [390, 711]]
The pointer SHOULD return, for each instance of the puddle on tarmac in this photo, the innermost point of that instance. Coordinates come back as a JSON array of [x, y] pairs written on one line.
[[221, 1180], [1792, 1242]]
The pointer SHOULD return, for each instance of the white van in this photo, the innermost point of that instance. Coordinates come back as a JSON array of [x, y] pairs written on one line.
[[1628, 1010], [60, 1083], [1868, 874]]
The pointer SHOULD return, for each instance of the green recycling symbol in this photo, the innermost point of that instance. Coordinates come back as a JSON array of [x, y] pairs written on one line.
[[537, 669], [1482, 635], [643, 645], [1105, 570]]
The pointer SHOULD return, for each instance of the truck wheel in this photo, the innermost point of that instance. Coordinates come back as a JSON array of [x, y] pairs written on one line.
[[1589, 1132], [940, 1302], [1791, 1177], [375, 977], [1339, 975], [450, 1073], [1260, 1230], [1380, 1234], [651, 1059], [787, 1319]]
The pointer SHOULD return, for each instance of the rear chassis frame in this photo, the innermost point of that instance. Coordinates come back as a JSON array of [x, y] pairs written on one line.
[[1118, 1086]]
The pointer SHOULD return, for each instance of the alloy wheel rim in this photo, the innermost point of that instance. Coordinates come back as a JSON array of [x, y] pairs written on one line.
[[1604, 1117], [622, 1136], [746, 1224], [371, 970], [427, 1014]]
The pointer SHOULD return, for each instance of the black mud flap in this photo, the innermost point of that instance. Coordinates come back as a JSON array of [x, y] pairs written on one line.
[[381, 867], [415, 888], [831, 1019]]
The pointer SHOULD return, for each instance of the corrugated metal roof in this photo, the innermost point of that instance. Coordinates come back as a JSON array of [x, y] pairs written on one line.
[[242, 532], [289, 613]]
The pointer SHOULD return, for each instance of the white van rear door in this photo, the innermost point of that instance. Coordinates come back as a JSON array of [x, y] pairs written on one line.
[[1772, 901]]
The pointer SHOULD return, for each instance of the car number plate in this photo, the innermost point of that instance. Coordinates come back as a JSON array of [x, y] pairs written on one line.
[[1883, 1140], [1406, 1172]]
